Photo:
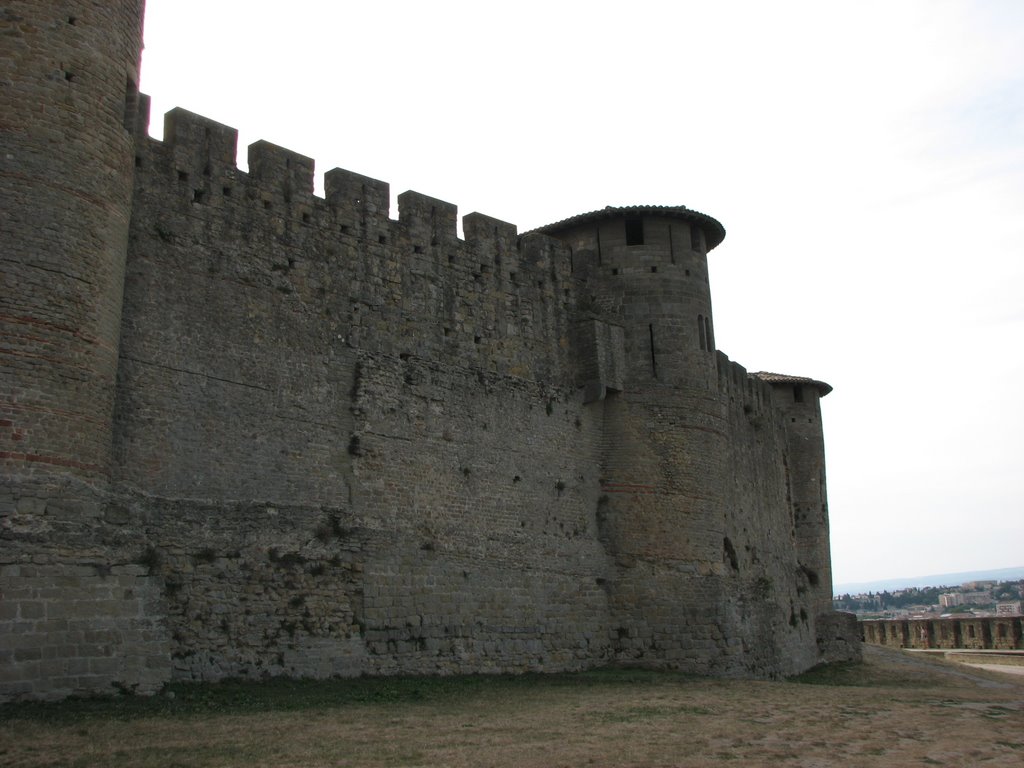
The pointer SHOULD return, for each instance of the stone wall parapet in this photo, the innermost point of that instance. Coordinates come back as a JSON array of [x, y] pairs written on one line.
[[978, 632]]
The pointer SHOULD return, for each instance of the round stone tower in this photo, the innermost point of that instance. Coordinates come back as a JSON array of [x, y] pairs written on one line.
[[799, 400], [666, 434], [66, 161], [665, 440], [648, 271]]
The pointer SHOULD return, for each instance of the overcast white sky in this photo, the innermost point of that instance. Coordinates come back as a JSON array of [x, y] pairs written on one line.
[[866, 159]]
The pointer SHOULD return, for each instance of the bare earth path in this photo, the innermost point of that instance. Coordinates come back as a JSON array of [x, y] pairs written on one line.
[[895, 710]]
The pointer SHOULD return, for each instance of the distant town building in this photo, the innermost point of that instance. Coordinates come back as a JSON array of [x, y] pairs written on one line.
[[949, 599], [1009, 609], [980, 597], [977, 586]]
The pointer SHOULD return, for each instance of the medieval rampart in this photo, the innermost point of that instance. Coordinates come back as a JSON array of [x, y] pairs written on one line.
[[341, 443], [975, 633]]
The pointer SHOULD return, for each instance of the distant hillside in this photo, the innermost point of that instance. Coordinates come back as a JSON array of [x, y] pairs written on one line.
[[937, 580]]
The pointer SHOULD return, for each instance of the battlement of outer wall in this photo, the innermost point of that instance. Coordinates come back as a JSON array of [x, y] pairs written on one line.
[[203, 156], [495, 298], [743, 390]]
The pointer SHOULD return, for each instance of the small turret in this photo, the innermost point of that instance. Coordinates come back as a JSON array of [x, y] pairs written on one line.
[[799, 400], [647, 272]]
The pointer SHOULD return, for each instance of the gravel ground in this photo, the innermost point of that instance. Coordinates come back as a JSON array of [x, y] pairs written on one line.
[[896, 710]]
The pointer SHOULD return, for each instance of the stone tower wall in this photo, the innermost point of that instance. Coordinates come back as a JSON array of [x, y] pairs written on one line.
[[768, 593], [342, 443], [70, 73], [800, 405], [695, 506], [71, 619]]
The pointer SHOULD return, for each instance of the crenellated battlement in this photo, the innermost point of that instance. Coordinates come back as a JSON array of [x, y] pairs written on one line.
[[745, 391], [198, 144], [197, 159]]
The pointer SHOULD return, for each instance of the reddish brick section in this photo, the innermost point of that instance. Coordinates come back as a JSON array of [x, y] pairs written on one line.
[[65, 200], [56, 461], [66, 160]]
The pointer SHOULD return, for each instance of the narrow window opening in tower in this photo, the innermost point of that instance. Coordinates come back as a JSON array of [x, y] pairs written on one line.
[[709, 334], [654, 362], [730, 554], [695, 237], [131, 104], [798, 394], [597, 239], [700, 333], [671, 246], [634, 230]]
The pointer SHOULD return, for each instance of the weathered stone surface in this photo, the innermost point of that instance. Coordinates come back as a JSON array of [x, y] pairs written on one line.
[[248, 431], [976, 632]]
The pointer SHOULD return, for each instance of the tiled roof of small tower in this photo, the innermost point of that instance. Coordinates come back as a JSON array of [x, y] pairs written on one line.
[[782, 378], [714, 232]]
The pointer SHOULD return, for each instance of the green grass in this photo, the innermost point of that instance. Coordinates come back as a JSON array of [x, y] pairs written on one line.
[[289, 694], [845, 673], [862, 674]]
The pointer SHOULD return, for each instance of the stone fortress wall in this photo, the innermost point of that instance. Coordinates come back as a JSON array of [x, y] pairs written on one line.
[[246, 430]]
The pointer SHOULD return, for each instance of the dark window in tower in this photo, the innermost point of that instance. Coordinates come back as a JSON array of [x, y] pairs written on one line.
[[729, 554], [654, 360], [634, 230], [700, 332], [131, 104], [707, 332], [798, 394]]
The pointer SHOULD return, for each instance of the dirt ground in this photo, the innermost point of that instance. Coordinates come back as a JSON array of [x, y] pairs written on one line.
[[894, 710]]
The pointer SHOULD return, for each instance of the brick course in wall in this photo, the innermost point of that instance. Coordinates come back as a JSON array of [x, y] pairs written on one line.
[[287, 434]]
